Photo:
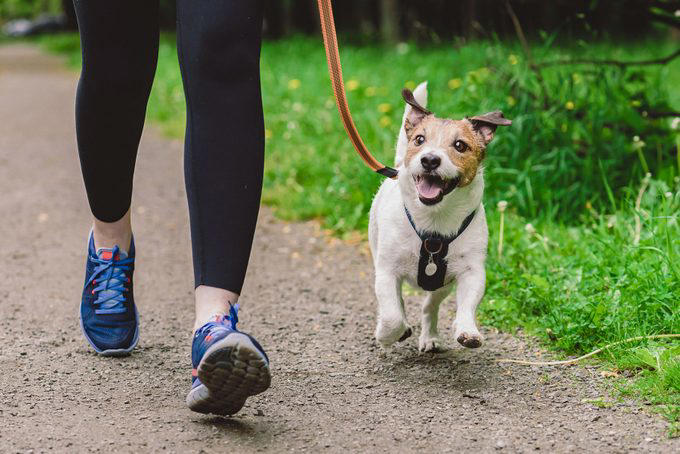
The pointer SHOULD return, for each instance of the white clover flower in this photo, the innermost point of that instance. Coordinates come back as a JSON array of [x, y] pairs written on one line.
[[502, 205], [611, 221], [637, 143], [530, 229], [675, 123], [668, 194]]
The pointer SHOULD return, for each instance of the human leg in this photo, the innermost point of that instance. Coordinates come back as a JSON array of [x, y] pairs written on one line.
[[119, 40]]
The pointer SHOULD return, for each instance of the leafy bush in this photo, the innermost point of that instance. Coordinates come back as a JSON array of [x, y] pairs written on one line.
[[13, 9]]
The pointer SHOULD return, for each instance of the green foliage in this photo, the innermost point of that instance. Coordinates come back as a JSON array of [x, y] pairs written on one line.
[[547, 165], [658, 380], [580, 288], [12, 9], [590, 285]]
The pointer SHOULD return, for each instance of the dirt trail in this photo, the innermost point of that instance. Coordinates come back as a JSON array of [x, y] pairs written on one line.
[[308, 299]]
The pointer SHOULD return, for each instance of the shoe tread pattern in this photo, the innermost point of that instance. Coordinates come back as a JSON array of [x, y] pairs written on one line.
[[231, 371]]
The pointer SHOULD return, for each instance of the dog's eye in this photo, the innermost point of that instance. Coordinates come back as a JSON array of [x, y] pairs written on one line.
[[460, 146], [420, 139]]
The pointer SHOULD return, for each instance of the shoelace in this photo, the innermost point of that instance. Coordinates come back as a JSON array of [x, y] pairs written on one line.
[[233, 315], [109, 279], [222, 320]]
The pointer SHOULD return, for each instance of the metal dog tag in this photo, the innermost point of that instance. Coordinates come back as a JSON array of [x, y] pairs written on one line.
[[430, 268]]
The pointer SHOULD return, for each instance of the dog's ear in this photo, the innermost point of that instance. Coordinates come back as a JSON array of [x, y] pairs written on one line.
[[485, 125], [417, 112]]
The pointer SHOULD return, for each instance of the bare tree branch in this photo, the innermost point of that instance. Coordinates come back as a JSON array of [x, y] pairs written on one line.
[[665, 19], [527, 51], [658, 114], [519, 31], [619, 63], [666, 6]]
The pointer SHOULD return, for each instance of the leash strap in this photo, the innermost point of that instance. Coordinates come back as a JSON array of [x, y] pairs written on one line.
[[330, 42], [434, 248]]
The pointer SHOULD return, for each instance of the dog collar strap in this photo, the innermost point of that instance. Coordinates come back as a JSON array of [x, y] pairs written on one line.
[[433, 250]]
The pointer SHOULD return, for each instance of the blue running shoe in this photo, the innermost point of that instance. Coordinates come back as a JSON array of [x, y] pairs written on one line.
[[108, 315], [228, 367]]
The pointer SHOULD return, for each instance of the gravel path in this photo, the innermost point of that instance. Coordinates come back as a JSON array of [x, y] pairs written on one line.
[[308, 298]]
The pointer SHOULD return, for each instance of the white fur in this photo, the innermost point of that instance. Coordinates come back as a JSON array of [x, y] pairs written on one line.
[[396, 249]]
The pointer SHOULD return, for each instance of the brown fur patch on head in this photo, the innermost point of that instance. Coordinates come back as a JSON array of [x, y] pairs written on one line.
[[443, 134]]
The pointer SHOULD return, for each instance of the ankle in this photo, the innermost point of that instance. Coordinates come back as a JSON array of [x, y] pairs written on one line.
[[211, 302], [110, 234], [122, 240]]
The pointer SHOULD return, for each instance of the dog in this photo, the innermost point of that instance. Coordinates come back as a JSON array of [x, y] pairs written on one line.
[[428, 227]]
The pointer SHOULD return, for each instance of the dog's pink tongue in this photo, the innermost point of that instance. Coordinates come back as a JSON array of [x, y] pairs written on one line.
[[427, 189]]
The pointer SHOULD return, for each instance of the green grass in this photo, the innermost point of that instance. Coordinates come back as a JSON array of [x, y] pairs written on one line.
[[569, 165], [580, 288]]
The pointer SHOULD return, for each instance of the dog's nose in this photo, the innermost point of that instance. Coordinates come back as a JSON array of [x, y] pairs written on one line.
[[430, 161]]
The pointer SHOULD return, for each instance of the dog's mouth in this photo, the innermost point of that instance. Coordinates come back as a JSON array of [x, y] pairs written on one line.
[[432, 188]]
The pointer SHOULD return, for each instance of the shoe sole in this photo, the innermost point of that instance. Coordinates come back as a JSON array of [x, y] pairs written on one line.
[[112, 351], [231, 371]]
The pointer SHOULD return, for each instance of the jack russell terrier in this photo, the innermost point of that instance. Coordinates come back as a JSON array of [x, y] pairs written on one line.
[[428, 227]]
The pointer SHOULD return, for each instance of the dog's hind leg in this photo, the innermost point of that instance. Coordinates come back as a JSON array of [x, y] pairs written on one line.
[[429, 334], [392, 325], [469, 292]]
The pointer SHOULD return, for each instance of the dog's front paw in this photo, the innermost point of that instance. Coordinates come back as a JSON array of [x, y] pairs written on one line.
[[468, 337], [390, 331], [470, 340], [428, 343]]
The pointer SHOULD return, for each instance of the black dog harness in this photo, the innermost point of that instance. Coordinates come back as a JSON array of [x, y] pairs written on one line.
[[433, 250]]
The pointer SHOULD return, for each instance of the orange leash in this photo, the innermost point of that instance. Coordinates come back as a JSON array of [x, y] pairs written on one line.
[[330, 42]]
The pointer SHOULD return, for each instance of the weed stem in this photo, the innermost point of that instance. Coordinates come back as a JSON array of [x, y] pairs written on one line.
[[501, 207], [638, 201], [588, 355]]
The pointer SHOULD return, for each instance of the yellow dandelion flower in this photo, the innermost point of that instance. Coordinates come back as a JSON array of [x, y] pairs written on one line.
[[410, 85], [294, 84], [512, 59], [384, 107], [385, 121], [268, 133], [455, 83], [352, 84], [569, 105], [635, 103], [370, 92], [511, 101]]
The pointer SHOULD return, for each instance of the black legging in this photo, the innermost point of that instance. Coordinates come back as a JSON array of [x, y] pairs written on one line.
[[219, 50]]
